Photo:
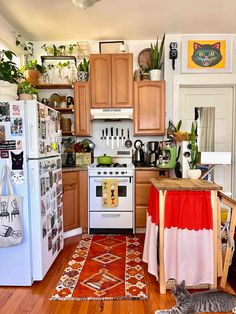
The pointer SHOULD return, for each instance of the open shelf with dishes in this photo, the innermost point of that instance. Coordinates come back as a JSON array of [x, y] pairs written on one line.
[[54, 86]]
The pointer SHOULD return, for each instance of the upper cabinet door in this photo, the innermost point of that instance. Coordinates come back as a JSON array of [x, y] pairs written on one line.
[[122, 80], [111, 78], [149, 108], [82, 108], [100, 80]]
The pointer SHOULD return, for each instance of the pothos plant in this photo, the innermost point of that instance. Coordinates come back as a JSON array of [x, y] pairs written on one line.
[[8, 69], [193, 147]]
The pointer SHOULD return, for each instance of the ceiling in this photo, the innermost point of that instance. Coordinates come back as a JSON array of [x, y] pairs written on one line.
[[118, 19]]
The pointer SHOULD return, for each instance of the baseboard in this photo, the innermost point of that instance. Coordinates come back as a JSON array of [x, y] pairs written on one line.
[[72, 232]]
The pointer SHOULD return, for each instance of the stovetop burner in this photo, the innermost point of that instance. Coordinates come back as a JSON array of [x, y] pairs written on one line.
[[115, 165]]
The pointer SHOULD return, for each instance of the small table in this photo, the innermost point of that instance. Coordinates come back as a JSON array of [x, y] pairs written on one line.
[[175, 184]]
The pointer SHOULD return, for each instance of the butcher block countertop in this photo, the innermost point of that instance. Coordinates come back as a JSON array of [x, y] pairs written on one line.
[[168, 184]]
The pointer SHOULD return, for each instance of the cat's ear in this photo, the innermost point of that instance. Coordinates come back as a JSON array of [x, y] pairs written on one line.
[[12, 154], [21, 154], [183, 284], [216, 46], [197, 46]]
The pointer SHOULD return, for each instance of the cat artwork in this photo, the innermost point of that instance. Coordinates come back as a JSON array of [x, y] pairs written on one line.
[[17, 161], [206, 55], [17, 177], [198, 302]]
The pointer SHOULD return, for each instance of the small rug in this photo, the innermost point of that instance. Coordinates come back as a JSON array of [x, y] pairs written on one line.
[[104, 267]]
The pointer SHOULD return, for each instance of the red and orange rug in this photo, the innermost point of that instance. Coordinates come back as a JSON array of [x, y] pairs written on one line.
[[104, 267]]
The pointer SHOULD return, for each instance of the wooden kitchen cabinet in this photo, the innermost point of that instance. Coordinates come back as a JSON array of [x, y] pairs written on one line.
[[71, 216], [82, 108], [75, 200], [142, 189], [111, 79], [149, 108]]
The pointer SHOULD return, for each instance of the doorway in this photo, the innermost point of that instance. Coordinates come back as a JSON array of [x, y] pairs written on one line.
[[220, 98]]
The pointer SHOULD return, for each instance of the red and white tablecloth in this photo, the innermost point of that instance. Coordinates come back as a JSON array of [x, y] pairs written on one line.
[[188, 236]]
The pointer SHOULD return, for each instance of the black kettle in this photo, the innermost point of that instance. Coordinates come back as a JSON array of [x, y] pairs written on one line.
[[138, 156]]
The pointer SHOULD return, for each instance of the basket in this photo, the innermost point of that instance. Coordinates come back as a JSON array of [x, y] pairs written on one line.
[[171, 283], [83, 159], [182, 136]]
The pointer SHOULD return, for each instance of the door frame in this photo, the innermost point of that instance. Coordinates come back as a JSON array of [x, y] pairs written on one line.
[[208, 80]]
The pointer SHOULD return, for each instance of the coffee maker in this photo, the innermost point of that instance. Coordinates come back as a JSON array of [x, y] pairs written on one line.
[[168, 155], [152, 155]]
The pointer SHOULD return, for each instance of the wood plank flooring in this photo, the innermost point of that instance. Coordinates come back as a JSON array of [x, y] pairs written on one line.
[[35, 299]]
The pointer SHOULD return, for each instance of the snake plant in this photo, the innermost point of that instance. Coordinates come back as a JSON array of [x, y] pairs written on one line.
[[193, 147]]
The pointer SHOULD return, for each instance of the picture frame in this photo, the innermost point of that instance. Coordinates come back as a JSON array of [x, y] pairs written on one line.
[[206, 54], [110, 46]]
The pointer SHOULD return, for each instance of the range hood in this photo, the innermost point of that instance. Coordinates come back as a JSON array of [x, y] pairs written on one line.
[[111, 114]]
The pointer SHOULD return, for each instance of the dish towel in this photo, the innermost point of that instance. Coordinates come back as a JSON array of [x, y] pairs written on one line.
[[109, 193]]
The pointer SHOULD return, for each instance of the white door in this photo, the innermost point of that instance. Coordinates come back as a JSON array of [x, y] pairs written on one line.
[[222, 99]]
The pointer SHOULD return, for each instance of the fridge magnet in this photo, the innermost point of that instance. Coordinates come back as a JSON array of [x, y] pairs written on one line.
[[54, 232], [44, 230], [43, 208], [54, 248], [48, 222], [49, 241], [4, 154], [59, 226], [47, 203], [58, 244], [42, 186], [17, 177], [16, 126], [206, 54], [8, 145], [2, 133], [4, 112], [17, 161], [15, 110], [19, 145], [53, 219]]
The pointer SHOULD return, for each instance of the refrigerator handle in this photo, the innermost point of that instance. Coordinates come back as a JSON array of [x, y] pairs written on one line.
[[30, 137], [33, 180]]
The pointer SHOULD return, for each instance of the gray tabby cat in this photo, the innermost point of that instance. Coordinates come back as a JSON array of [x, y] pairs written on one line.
[[209, 301]]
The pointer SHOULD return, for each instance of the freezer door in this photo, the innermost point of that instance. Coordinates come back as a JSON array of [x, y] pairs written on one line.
[[46, 213], [43, 130]]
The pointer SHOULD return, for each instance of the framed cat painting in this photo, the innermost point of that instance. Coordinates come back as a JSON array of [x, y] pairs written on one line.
[[206, 54]]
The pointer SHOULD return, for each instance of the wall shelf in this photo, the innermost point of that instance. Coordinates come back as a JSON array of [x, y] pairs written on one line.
[[54, 86], [43, 58], [65, 110]]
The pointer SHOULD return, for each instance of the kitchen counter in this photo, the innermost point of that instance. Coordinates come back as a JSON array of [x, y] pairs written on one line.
[[167, 184], [75, 168]]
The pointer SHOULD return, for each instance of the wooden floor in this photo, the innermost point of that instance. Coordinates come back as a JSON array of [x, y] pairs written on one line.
[[35, 299]]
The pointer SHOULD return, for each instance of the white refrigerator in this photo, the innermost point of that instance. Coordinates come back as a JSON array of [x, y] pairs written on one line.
[[30, 144]]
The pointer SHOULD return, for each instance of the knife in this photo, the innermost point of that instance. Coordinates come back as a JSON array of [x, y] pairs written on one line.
[[103, 137], [112, 138], [122, 137], [117, 137], [107, 138]]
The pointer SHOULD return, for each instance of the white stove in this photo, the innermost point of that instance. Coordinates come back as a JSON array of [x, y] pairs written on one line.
[[119, 219]]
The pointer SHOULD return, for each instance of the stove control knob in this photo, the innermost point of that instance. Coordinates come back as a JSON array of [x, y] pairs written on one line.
[[122, 172], [104, 172], [111, 172], [99, 172], [117, 172]]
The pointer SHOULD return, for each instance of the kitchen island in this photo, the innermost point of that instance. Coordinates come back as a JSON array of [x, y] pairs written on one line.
[[183, 211]]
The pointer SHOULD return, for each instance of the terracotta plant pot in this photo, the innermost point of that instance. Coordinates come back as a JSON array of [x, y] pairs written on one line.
[[25, 97], [194, 173], [32, 76]]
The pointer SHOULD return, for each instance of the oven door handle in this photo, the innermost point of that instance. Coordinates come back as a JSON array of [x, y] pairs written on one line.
[[110, 215], [97, 180]]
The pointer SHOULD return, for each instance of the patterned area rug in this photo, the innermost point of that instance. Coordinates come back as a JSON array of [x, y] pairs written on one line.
[[104, 267]]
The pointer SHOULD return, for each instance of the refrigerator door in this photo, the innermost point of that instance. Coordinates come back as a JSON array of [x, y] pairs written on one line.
[[43, 130], [45, 180], [15, 267]]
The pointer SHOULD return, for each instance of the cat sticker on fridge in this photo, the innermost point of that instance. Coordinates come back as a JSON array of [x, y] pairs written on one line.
[[206, 54]]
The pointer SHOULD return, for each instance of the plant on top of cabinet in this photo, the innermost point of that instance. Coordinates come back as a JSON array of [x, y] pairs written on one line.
[[83, 70], [156, 59], [9, 76], [59, 51]]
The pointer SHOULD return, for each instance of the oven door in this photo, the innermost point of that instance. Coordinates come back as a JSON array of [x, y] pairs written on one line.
[[125, 194]]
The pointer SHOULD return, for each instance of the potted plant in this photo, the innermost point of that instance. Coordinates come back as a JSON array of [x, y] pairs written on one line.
[[83, 70], [156, 61], [9, 76], [193, 172], [26, 90], [32, 71]]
